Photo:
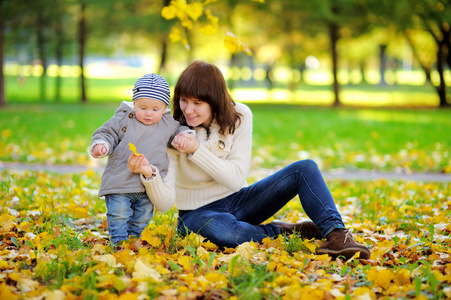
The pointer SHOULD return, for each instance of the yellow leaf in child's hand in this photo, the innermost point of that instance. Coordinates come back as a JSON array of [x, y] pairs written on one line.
[[133, 149]]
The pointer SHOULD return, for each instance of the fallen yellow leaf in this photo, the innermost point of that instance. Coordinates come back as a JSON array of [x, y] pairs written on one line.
[[143, 271], [220, 281], [311, 245], [7, 223], [381, 248], [108, 259], [185, 262], [3, 264], [5, 292], [54, 295], [147, 236], [129, 296], [380, 277], [364, 293]]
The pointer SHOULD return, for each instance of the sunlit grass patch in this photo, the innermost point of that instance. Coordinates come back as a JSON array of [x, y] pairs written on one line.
[[377, 139], [49, 134], [400, 140]]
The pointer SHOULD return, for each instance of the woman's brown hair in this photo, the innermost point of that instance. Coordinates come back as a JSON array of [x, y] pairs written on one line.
[[205, 82]]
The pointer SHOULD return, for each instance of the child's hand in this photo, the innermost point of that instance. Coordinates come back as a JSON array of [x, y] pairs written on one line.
[[185, 142], [98, 150], [139, 164]]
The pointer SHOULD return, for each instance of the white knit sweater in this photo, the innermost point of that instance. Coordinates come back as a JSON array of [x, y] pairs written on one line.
[[218, 168]]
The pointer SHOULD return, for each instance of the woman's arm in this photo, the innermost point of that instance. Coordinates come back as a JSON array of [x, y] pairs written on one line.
[[160, 192]]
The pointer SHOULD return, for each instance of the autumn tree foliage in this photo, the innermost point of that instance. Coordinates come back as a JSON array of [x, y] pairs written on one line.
[[188, 14]]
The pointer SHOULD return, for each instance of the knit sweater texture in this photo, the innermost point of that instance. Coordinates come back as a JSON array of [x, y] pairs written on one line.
[[218, 168]]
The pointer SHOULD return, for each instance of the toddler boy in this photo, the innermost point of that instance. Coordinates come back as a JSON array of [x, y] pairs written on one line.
[[147, 123]]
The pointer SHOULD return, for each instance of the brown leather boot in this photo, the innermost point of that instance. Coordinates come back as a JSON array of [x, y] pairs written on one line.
[[340, 242], [307, 229]]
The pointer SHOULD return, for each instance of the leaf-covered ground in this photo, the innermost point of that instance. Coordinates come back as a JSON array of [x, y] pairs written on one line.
[[54, 245]]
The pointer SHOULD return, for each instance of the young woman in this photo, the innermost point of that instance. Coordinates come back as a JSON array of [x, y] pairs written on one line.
[[209, 174]]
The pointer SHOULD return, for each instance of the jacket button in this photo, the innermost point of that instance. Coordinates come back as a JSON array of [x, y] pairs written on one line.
[[124, 129], [221, 145], [130, 115]]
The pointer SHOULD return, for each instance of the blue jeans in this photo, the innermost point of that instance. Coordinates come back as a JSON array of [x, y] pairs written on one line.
[[236, 219], [128, 214]]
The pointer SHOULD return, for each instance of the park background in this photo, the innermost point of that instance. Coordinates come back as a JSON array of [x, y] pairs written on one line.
[[310, 53], [354, 85]]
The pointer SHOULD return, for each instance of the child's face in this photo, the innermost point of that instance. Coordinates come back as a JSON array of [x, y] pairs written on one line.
[[149, 111]]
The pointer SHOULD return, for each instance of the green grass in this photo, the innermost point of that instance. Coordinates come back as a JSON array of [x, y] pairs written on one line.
[[50, 133], [385, 139], [27, 89], [353, 137], [408, 138]]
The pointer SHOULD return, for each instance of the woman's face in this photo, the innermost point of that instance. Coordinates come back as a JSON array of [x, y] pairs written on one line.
[[196, 112]]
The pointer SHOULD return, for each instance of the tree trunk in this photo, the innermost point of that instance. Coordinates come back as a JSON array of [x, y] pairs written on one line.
[[82, 45], [164, 42], [441, 89], [382, 64], [292, 84], [59, 57], [2, 77], [233, 62], [268, 77], [42, 54], [362, 71], [164, 54], [333, 31], [290, 49], [447, 40]]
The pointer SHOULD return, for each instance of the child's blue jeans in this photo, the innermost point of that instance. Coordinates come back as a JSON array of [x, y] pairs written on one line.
[[236, 219], [128, 214]]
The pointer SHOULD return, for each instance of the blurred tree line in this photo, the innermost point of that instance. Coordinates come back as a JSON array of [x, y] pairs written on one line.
[[284, 31]]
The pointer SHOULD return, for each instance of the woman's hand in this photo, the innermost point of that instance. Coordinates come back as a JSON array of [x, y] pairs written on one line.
[[140, 164], [185, 142]]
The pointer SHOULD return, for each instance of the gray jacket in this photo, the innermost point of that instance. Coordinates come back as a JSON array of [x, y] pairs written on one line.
[[151, 140]]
